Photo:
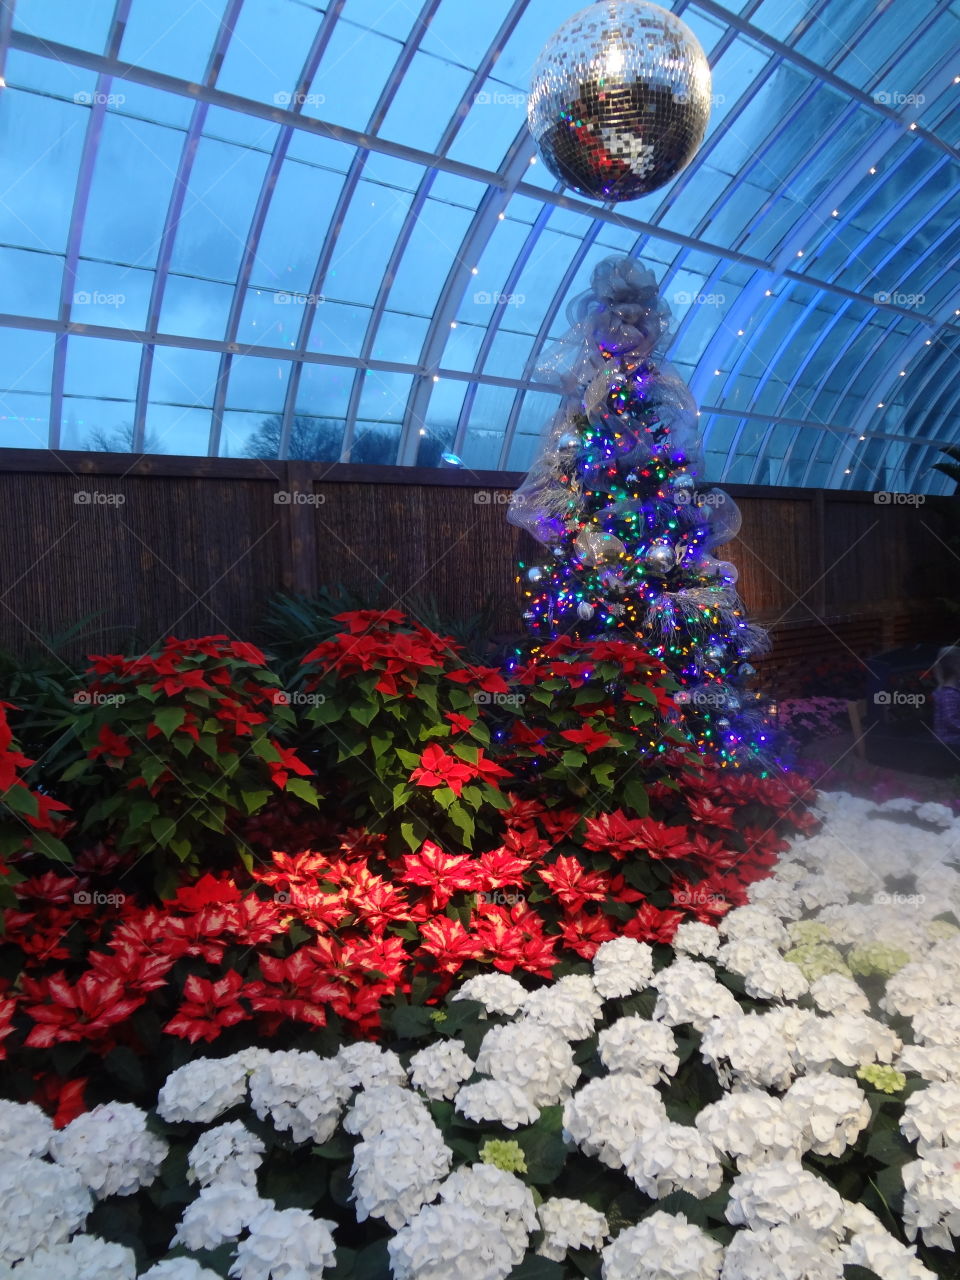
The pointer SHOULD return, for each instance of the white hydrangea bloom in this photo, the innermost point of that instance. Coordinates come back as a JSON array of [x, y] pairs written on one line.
[[673, 1157], [440, 1068], [227, 1153], [396, 1172], [830, 1110], [835, 992], [448, 1240], [752, 1127], [202, 1090], [689, 992], [364, 1064], [931, 1205], [82, 1258], [645, 1049], [766, 975], [880, 1253], [179, 1269], [301, 1092], [571, 1006], [931, 1117], [849, 1039], [496, 1101], [938, 1026], [499, 1196], [933, 1062], [111, 1149], [25, 1130], [536, 1058], [285, 1244], [785, 1193], [497, 992], [939, 815], [569, 1224], [609, 1114], [387, 1106], [748, 1049], [43, 1204], [777, 895], [663, 1246], [695, 939], [754, 924], [249, 1059], [779, 1253], [918, 985], [622, 967], [857, 1219], [220, 1212]]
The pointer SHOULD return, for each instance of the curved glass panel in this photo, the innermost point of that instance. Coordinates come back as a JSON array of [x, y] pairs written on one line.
[[261, 274]]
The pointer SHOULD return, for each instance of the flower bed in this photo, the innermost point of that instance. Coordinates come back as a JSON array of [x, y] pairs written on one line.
[[775, 1099]]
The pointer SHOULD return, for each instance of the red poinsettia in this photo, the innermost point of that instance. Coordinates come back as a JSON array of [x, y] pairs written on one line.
[[86, 1010], [439, 769], [208, 1007], [450, 943], [589, 738], [114, 747]]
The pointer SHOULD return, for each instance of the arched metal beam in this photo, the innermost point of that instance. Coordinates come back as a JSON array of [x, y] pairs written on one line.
[[319, 46], [480, 75], [481, 228], [81, 198], [181, 183]]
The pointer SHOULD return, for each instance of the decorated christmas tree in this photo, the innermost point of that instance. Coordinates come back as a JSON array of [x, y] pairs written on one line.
[[617, 497]]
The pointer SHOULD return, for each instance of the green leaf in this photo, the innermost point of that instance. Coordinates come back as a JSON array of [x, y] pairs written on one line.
[[45, 843], [76, 770], [163, 830], [167, 719], [444, 797], [635, 795], [466, 752], [141, 812], [373, 1262], [573, 759], [473, 796], [304, 789], [152, 768], [463, 821], [543, 1146], [254, 800], [853, 1272], [124, 1065], [409, 836], [401, 794], [265, 750], [363, 712], [20, 799], [534, 1268], [409, 759], [412, 1022], [381, 743]]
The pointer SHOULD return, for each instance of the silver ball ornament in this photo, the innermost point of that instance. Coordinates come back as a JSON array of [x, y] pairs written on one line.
[[585, 611], [535, 574], [620, 99], [723, 723], [715, 653], [746, 671], [660, 558], [568, 441]]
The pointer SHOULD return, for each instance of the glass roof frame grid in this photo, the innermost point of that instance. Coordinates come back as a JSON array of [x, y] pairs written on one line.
[[81, 198], [337, 218], [480, 75], [809, 307], [493, 202], [513, 275], [949, 409], [175, 204], [281, 145], [477, 377]]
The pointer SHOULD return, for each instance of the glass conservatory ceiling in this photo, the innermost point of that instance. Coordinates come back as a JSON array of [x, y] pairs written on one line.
[[283, 228]]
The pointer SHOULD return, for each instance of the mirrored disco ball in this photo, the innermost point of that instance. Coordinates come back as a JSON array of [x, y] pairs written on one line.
[[620, 99]]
